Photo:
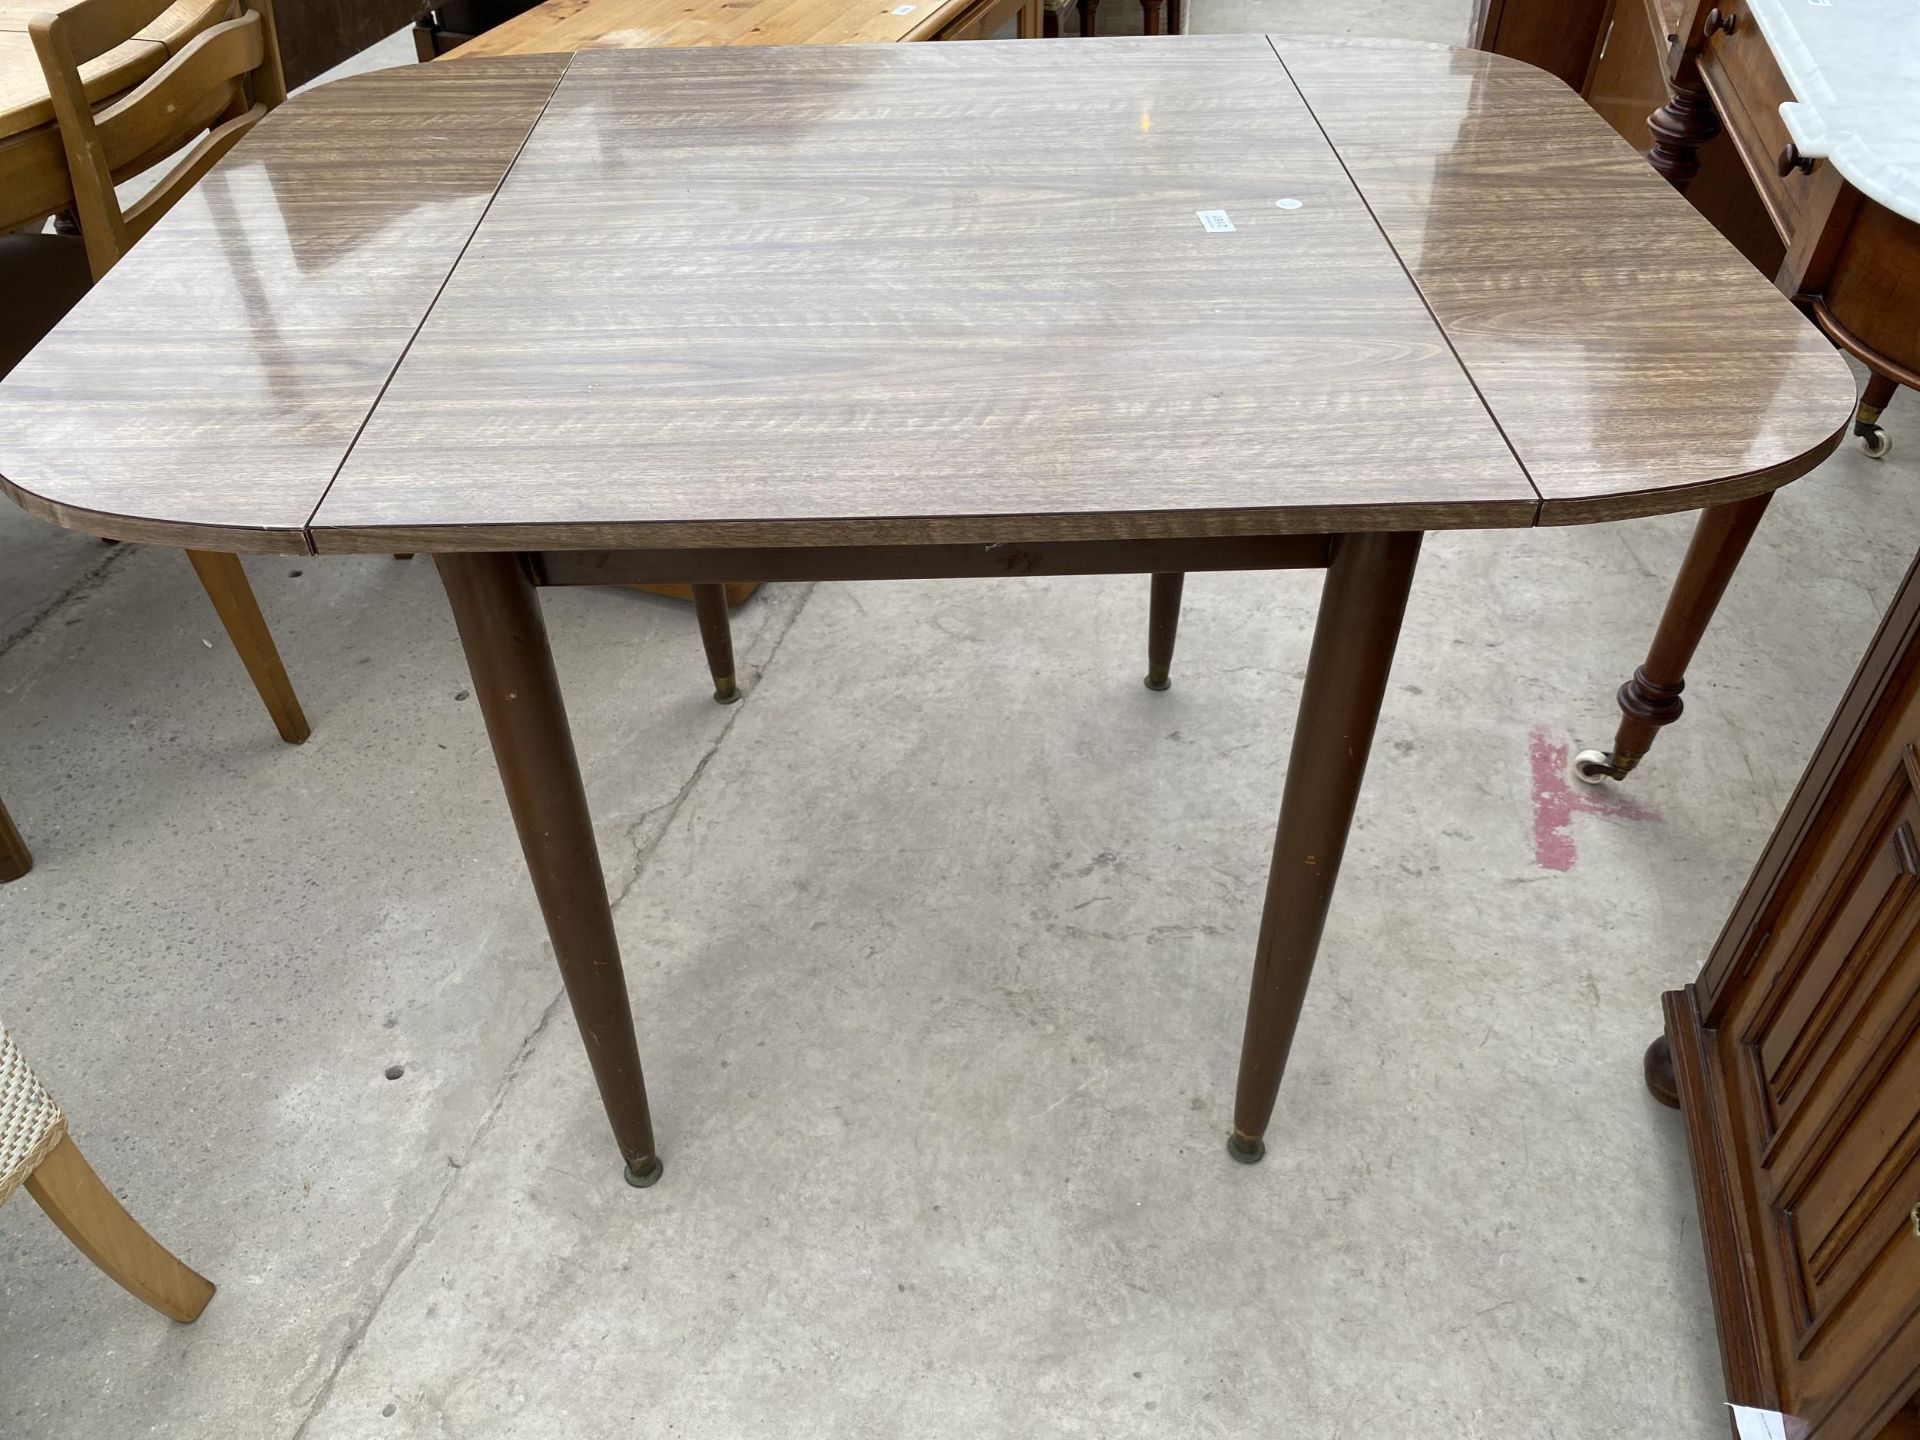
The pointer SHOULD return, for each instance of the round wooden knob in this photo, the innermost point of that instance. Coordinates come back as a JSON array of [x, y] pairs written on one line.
[[1717, 21], [1791, 160]]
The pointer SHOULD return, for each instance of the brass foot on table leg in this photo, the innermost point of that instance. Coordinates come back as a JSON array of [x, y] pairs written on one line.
[[725, 692], [1593, 766], [1157, 680], [1246, 1151], [1658, 1067], [647, 1174]]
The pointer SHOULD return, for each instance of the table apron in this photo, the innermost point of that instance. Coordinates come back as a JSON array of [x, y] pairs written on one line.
[[930, 562]]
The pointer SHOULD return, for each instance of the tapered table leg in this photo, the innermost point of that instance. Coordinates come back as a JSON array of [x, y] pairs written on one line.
[[225, 581], [498, 614], [716, 633], [1163, 624], [1360, 611], [1651, 698]]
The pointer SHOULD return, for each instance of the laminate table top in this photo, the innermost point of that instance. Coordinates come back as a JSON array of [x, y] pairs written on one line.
[[919, 294]]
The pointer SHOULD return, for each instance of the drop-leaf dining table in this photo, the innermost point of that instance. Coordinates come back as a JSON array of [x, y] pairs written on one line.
[[864, 312]]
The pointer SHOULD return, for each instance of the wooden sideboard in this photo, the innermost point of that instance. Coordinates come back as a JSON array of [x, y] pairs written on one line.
[[1795, 1060], [1693, 83]]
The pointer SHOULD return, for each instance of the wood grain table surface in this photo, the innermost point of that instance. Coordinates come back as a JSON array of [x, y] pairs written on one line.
[[563, 26], [884, 293]]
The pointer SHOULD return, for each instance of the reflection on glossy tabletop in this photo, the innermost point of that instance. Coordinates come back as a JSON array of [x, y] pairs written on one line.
[[880, 288], [1625, 348], [891, 295], [210, 383]]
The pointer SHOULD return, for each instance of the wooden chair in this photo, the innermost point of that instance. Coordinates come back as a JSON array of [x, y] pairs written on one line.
[[201, 101], [36, 1151]]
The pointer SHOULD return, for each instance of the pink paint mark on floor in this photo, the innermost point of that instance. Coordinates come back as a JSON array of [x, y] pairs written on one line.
[[1558, 797]]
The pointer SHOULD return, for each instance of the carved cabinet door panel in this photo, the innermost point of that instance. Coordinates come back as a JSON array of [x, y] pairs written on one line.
[[1819, 1053]]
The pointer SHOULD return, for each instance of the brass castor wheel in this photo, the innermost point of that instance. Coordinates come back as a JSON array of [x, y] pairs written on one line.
[[725, 692], [1247, 1152], [1157, 680], [1593, 766], [1874, 440], [648, 1174]]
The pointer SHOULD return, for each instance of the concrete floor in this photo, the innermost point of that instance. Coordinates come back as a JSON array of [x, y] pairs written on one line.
[[938, 944]]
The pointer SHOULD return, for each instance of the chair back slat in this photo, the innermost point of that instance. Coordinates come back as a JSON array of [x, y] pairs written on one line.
[[206, 97], [188, 94]]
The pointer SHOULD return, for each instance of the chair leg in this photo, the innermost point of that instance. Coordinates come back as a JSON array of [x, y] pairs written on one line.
[[716, 633], [15, 858], [1089, 12], [1163, 621], [101, 1230], [226, 585]]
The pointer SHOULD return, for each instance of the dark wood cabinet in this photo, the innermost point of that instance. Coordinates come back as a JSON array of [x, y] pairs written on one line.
[[1796, 1059], [316, 35], [1557, 37]]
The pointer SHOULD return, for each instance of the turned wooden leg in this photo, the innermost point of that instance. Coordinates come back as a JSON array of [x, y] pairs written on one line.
[[710, 609], [1089, 10], [1163, 623], [1679, 128], [1173, 17], [1050, 25], [1031, 23], [225, 582], [498, 615], [1362, 603], [106, 1234], [15, 859], [1658, 1069], [1150, 16], [1651, 698], [1866, 420]]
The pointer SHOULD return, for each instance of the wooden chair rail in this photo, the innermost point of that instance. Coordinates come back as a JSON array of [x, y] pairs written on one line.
[[932, 562], [201, 82]]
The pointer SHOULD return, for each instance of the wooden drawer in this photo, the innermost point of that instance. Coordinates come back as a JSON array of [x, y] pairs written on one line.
[[1748, 91], [1821, 1051], [1871, 1304]]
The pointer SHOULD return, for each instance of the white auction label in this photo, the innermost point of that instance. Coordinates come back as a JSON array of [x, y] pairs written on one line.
[[903, 9], [1289, 203], [1754, 1424], [1214, 222]]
